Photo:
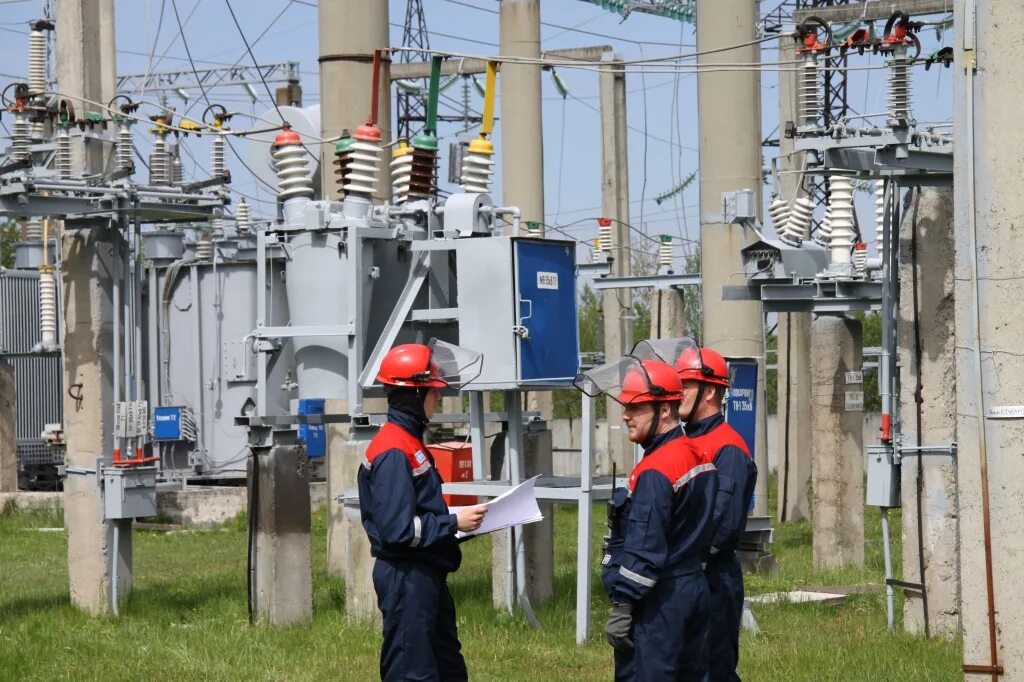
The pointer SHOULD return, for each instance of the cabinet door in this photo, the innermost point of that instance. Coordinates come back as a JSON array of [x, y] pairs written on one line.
[[548, 348]]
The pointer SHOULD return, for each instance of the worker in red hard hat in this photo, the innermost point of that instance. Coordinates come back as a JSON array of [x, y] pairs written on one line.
[[411, 531], [660, 525], [705, 378]]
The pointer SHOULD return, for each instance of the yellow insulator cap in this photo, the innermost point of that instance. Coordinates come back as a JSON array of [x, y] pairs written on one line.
[[481, 146], [402, 149]]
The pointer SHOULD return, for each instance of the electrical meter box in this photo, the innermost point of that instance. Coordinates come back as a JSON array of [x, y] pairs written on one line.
[[883, 487], [517, 306], [129, 492]]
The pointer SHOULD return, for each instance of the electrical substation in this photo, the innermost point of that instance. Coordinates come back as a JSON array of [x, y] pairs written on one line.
[[161, 330]]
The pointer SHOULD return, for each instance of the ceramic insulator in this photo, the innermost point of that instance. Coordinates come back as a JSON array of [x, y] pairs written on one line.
[[64, 161], [217, 154], [21, 142], [37, 62], [243, 217], [159, 168], [899, 86], [47, 309], [477, 170], [800, 218], [292, 172], [842, 222], [860, 257], [363, 168], [124, 147], [809, 92], [879, 216]]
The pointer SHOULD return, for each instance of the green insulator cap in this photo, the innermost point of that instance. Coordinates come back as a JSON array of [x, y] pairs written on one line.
[[424, 141], [666, 239], [343, 145], [94, 116]]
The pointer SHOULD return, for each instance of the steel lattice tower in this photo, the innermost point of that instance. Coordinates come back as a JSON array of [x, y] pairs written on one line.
[[412, 107]]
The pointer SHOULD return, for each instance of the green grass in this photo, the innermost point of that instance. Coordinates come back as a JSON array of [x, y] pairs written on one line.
[[186, 619]]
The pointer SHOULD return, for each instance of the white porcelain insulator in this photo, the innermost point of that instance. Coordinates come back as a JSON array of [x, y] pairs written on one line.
[[47, 309], [879, 216], [477, 171], [843, 234], [21, 142], [604, 234], [899, 86], [159, 168], [243, 217], [64, 160], [364, 164], [809, 92], [800, 219], [860, 261], [124, 147], [34, 230], [217, 154], [401, 177], [292, 172], [665, 255], [37, 61], [597, 254], [204, 247]]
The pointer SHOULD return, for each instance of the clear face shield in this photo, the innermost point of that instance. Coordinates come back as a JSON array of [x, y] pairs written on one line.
[[455, 365]]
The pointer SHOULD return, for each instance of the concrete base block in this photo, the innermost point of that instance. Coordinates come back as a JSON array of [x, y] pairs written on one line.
[[538, 538], [838, 445], [283, 592]]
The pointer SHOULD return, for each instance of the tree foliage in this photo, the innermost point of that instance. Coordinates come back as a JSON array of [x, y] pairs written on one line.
[[10, 233]]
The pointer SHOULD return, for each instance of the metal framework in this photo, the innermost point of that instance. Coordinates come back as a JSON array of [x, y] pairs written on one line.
[[412, 106], [164, 81]]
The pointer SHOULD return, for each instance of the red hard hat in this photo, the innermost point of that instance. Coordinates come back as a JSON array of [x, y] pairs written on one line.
[[705, 366], [651, 382], [410, 364]]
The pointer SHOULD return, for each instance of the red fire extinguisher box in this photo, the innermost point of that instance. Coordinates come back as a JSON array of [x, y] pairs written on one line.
[[454, 461]]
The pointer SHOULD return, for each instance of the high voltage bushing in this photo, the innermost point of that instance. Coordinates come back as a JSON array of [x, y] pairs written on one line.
[[860, 258], [243, 218], [123, 149], [342, 154], [177, 172], [159, 168], [665, 252], [363, 161], [779, 212], [37, 61], [217, 154], [292, 166], [34, 230], [478, 166], [809, 91], [64, 160], [47, 307], [21, 142], [824, 234], [799, 226], [401, 172], [204, 245], [423, 170], [604, 233], [842, 219], [899, 87]]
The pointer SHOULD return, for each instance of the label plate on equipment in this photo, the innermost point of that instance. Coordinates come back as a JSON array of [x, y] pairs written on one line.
[[855, 377], [1005, 412], [855, 401], [547, 280]]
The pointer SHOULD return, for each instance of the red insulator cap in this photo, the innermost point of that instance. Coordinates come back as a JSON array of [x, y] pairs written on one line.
[[367, 133], [287, 136], [604, 222], [860, 246]]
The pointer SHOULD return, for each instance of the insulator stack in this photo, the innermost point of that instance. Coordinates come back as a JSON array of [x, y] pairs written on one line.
[[21, 142], [779, 212], [809, 92], [243, 218], [47, 307], [534, 228], [842, 220], [423, 175], [177, 170], [665, 252], [800, 215], [292, 166], [597, 255], [124, 147], [217, 225], [823, 235], [159, 168], [401, 172], [477, 166], [363, 162], [879, 216], [34, 230], [204, 246], [860, 258], [899, 87], [217, 154], [37, 62], [64, 160], [604, 233]]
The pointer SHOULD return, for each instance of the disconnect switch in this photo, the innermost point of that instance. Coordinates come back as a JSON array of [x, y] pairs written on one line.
[[883, 487]]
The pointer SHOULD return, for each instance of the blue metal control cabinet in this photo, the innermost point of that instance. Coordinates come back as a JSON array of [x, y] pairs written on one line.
[[313, 435]]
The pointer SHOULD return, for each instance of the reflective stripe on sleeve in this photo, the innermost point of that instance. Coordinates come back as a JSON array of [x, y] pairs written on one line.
[[417, 531], [636, 577], [695, 471]]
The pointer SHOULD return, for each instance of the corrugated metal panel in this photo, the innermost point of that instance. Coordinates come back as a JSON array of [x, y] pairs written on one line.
[[40, 400], [19, 311]]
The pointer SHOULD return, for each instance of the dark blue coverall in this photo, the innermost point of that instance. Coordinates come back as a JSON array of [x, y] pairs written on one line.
[[412, 535], [720, 444], [661, 526]]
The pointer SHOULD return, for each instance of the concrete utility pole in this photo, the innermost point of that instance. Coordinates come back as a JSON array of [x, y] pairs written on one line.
[[729, 112], [793, 358], [350, 30], [346, 58], [668, 314], [838, 445], [928, 362], [616, 303], [989, 306], [99, 552]]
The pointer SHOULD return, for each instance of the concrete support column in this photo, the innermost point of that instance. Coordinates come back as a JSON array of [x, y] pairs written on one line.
[[360, 597], [350, 31], [668, 318], [838, 445], [283, 593], [729, 112], [616, 304], [538, 538], [8, 415], [88, 256], [794, 417], [337, 522], [932, 527], [989, 302]]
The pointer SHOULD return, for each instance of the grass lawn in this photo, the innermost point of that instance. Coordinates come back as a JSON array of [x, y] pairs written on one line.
[[187, 618]]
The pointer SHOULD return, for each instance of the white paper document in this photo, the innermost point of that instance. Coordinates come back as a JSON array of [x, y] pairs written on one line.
[[515, 507]]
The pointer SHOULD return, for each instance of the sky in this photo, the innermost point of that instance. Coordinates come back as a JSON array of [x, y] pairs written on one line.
[[661, 107]]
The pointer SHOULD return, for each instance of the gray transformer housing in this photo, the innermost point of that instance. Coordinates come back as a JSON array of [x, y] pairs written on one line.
[[199, 355]]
